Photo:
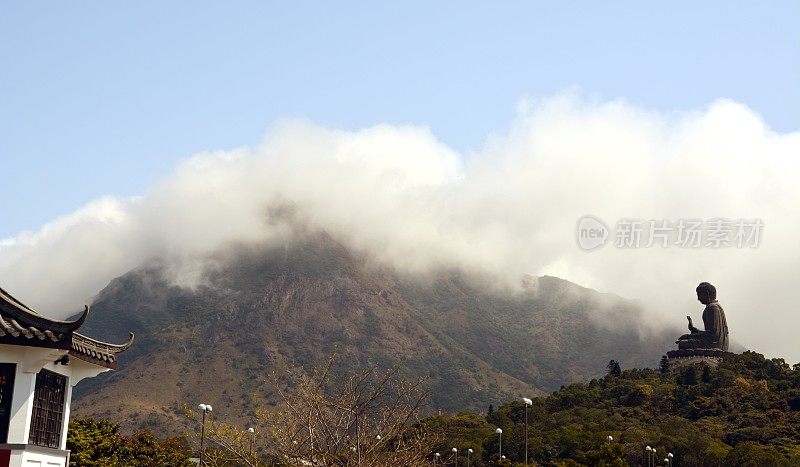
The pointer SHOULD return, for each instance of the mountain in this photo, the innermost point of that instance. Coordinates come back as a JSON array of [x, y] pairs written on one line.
[[263, 310]]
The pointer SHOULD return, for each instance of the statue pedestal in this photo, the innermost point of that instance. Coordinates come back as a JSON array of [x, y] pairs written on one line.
[[682, 358]]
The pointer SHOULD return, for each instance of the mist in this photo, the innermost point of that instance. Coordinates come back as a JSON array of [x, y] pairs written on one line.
[[397, 194]]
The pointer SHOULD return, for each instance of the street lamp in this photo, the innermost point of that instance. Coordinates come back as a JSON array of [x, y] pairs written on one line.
[[649, 453], [609, 438], [455, 451], [669, 458], [527, 403], [469, 451], [436, 458], [205, 408], [666, 461], [500, 432], [250, 432]]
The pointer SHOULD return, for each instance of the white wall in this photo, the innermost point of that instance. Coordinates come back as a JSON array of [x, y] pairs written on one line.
[[29, 361]]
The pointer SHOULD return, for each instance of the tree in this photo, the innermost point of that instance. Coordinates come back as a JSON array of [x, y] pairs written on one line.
[[144, 449], [614, 368], [92, 442], [465, 430], [744, 412], [99, 443], [750, 454], [706, 376], [609, 455], [663, 365], [689, 376], [366, 419]]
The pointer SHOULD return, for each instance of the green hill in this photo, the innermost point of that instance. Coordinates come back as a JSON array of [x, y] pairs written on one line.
[[746, 412]]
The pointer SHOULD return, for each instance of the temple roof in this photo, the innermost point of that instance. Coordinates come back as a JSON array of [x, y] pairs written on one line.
[[16, 319], [21, 325]]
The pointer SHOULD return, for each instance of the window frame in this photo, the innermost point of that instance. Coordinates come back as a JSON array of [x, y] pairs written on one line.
[[49, 405]]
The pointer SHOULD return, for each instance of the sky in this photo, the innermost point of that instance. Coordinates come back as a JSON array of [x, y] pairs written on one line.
[[106, 99], [427, 134]]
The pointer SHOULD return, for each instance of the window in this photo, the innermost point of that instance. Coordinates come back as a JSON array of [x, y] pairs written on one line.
[[7, 371], [48, 409]]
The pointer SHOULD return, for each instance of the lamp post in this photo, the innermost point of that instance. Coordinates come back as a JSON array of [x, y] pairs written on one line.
[[527, 403], [250, 432], [455, 452], [205, 408], [649, 453], [654, 457], [500, 432], [436, 458], [669, 458], [469, 451]]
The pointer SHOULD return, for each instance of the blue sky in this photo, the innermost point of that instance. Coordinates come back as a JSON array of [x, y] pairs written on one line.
[[102, 98]]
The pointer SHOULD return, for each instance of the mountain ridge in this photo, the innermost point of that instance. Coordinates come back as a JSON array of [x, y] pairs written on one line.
[[271, 309]]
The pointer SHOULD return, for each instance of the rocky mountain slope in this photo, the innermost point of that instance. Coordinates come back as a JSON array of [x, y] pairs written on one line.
[[265, 310]]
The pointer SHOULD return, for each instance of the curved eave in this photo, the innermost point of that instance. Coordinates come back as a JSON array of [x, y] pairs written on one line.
[[26, 316], [116, 348], [98, 352]]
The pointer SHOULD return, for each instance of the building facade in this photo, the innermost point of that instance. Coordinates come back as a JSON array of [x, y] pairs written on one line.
[[41, 361]]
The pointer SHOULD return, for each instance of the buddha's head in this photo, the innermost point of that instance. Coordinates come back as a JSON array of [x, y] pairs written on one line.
[[706, 293]]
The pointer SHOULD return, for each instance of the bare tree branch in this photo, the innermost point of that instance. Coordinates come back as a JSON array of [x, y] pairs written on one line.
[[363, 420]]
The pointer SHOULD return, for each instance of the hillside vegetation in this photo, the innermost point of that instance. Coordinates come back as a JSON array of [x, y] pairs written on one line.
[[745, 412]]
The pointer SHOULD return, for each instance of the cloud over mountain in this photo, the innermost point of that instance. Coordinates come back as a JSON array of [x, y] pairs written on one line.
[[407, 200]]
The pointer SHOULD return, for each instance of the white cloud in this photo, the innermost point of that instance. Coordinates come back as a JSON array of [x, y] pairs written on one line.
[[511, 208]]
